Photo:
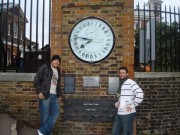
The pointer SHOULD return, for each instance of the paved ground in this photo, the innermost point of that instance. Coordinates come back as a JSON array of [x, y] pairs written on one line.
[[7, 125], [27, 131]]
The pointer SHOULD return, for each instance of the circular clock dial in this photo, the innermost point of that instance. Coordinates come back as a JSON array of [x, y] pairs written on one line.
[[91, 40]]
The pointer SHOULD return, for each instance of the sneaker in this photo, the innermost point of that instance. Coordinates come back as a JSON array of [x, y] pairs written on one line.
[[39, 132]]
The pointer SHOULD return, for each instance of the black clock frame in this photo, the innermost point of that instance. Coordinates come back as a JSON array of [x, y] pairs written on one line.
[[92, 17]]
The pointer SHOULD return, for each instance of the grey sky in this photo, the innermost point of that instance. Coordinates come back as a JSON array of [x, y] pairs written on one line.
[[168, 3]]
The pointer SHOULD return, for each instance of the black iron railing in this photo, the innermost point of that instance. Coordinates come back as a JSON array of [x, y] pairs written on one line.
[[157, 38], [27, 23], [24, 34]]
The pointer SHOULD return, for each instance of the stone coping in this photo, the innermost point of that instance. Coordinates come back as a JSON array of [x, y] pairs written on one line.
[[30, 76], [156, 74], [17, 77]]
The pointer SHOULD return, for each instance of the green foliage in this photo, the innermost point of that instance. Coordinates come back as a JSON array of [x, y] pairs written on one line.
[[167, 45]]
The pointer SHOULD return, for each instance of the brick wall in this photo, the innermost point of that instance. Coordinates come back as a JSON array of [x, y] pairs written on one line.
[[120, 15], [20, 100], [159, 114]]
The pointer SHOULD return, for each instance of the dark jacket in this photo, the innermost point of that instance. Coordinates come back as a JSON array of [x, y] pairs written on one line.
[[42, 81]]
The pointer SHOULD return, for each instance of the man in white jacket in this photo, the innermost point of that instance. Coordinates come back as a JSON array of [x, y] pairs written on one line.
[[130, 96]]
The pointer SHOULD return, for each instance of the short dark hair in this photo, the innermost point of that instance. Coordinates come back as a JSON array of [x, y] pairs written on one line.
[[123, 68], [56, 57]]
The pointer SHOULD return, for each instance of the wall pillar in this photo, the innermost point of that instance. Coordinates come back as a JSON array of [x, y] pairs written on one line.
[[120, 15]]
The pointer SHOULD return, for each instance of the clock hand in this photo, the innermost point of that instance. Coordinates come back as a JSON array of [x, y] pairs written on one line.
[[82, 46], [84, 38], [88, 41], [97, 41]]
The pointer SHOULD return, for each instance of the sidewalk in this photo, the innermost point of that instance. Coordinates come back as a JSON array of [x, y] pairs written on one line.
[[27, 131], [8, 126], [5, 124]]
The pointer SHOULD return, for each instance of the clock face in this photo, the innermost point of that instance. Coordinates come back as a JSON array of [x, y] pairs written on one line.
[[91, 40]]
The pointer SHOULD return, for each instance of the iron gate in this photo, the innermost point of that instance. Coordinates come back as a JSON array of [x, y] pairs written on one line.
[[157, 38], [24, 34]]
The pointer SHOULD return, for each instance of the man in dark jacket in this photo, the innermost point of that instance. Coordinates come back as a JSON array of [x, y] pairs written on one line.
[[47, 84]]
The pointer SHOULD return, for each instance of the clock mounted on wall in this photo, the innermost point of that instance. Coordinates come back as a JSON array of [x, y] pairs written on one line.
[[91, 40]]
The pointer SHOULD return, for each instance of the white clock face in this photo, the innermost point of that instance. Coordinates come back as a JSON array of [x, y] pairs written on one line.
[[91, 40]]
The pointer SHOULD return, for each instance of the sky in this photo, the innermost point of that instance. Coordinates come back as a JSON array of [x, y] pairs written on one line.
[[171, 3], [168, 3]]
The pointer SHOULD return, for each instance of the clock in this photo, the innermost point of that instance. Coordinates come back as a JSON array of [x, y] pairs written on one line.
[[91, 40]]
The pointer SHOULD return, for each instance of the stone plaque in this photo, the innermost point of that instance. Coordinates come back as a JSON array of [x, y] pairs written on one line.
[[113, 85], [69, 84], [91, 110], [91, 81]]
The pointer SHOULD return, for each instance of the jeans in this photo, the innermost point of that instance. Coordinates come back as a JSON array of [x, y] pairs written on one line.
[[123, 124], [49, 112], [21, 64]]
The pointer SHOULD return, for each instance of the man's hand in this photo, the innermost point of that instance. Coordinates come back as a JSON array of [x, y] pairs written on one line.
[[117, 104], [128, 108], [59, 98], [41, 96]]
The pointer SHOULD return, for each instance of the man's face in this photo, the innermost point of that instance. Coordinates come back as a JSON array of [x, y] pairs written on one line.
[[55, 63], [122, 73]]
